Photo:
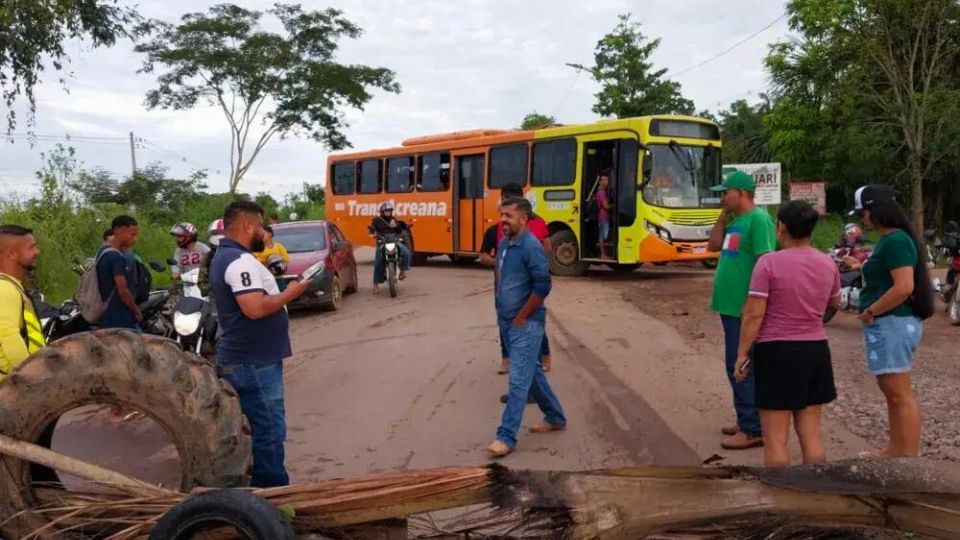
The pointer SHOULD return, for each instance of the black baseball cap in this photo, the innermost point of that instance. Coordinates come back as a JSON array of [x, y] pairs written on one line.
[[868, 197]]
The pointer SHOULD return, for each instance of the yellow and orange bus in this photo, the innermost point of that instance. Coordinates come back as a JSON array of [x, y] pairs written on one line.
[[661, 170]]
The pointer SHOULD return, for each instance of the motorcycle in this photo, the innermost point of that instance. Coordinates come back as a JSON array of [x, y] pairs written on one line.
[[949, 292], [851, 280], [389, 246], [194, 317]]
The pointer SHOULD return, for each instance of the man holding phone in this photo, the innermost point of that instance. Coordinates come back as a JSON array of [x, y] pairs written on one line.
[[742, 234], [255, 335]]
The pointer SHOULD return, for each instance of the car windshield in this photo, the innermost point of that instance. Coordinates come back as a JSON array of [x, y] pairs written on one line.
[[301, 239], [681, 176]]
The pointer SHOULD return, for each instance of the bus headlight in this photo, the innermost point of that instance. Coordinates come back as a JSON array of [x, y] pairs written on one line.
[[659, 232]]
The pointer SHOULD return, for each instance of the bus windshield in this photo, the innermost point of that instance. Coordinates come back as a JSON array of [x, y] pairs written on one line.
[[681, 176]]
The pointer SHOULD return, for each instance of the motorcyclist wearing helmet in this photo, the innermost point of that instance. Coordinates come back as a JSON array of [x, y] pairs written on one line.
[[214, 235], [189, 253], [383, 224]]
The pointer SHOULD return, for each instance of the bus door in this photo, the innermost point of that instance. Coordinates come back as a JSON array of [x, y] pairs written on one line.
[[468, 218], [617, 159]]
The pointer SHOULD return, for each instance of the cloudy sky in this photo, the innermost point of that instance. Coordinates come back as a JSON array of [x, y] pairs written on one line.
[[462, 64]]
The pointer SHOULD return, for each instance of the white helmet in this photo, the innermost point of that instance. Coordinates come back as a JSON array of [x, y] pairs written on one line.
[[293, 216], [215, 232]]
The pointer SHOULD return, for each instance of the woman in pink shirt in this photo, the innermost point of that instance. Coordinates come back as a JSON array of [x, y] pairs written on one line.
[[782, 336]]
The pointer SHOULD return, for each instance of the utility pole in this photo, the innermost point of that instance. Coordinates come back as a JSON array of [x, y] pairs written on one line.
[[133, 157]]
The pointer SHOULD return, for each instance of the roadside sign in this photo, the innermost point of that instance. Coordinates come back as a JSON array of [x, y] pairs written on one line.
[[814, 193], [767, 176]]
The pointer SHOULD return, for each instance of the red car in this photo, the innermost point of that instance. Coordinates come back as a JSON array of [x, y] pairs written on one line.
[[308, 242]]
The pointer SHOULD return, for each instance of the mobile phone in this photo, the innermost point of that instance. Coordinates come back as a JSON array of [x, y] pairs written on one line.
[[746, 365]]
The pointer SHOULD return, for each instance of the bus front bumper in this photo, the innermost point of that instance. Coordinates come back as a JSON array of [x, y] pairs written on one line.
[[656, 250]]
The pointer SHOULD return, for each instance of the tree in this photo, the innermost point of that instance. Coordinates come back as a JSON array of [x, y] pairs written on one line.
[[877, 70], [284, 84], [96, 186], [150, 189], [58, 169], [32, 32], [745, 140], [630, 85], [536, 120], [315, 193]]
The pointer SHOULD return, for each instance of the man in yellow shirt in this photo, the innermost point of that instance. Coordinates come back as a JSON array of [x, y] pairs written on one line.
[[272, 248], [20, 332]]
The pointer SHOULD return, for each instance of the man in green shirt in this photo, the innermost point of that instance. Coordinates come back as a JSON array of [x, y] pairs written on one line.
[[742, 234]]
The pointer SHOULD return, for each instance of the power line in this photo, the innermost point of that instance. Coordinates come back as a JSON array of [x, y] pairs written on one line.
[[154, 147], [66, 137], [737, 44]]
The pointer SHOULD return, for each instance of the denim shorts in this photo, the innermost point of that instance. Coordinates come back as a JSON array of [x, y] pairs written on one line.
[[890, 343], [604, 229]]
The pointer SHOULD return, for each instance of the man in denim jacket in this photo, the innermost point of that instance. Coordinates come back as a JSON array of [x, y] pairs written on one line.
[[523, 284]]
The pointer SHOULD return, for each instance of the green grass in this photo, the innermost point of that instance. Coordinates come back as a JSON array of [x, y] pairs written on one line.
[[827, 231]]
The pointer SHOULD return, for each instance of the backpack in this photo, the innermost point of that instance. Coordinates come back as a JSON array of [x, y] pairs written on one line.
[[92, 305]]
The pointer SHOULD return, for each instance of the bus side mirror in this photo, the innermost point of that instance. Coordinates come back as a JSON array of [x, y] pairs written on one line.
[[646, 169]]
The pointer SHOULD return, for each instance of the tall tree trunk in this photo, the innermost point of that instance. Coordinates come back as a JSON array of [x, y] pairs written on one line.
[[916, 195]]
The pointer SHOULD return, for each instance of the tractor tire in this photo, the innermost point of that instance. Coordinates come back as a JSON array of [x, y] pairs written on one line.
[[180, 391], [248, 514]]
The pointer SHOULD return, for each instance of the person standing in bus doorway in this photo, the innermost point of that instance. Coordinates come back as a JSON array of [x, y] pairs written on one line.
[[523, 283], [742, 234], [603, 212]]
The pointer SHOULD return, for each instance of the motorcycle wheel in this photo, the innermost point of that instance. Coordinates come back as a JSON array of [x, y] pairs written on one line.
[[392, 278], [953, 308]]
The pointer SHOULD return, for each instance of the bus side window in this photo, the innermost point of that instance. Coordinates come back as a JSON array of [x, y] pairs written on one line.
[[344, 178], [370, 176], [508, 165], [554, 163], [400, 175], [434, 172]]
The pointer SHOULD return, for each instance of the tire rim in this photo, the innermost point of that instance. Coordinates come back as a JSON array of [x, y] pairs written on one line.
[[566, 253], [337, 293]]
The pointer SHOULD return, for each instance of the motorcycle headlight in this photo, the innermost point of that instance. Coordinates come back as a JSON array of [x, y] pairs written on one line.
[[186, 324], [390, 246]]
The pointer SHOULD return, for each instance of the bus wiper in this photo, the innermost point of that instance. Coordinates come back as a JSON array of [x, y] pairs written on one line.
[[683, 158]]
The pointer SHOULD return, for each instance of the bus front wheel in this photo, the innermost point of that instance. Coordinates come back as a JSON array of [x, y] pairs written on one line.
[[565, 259]]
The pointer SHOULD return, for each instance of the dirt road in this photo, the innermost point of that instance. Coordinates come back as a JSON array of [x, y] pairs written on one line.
[[411, 382], [387, 384]]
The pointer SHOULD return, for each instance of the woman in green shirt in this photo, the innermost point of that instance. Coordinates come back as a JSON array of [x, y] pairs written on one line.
[[895, 299]]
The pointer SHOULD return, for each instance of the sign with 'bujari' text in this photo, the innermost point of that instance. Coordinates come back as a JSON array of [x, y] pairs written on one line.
[[767, 176]]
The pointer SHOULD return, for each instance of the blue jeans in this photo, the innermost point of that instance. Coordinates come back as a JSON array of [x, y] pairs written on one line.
[[744, 393], [379, 270], [261, 399], [526, 378], [544, 347]]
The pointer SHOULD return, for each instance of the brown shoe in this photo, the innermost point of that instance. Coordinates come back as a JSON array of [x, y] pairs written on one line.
[[498, 449], [741, 441], [545, 427], [730, 430]]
